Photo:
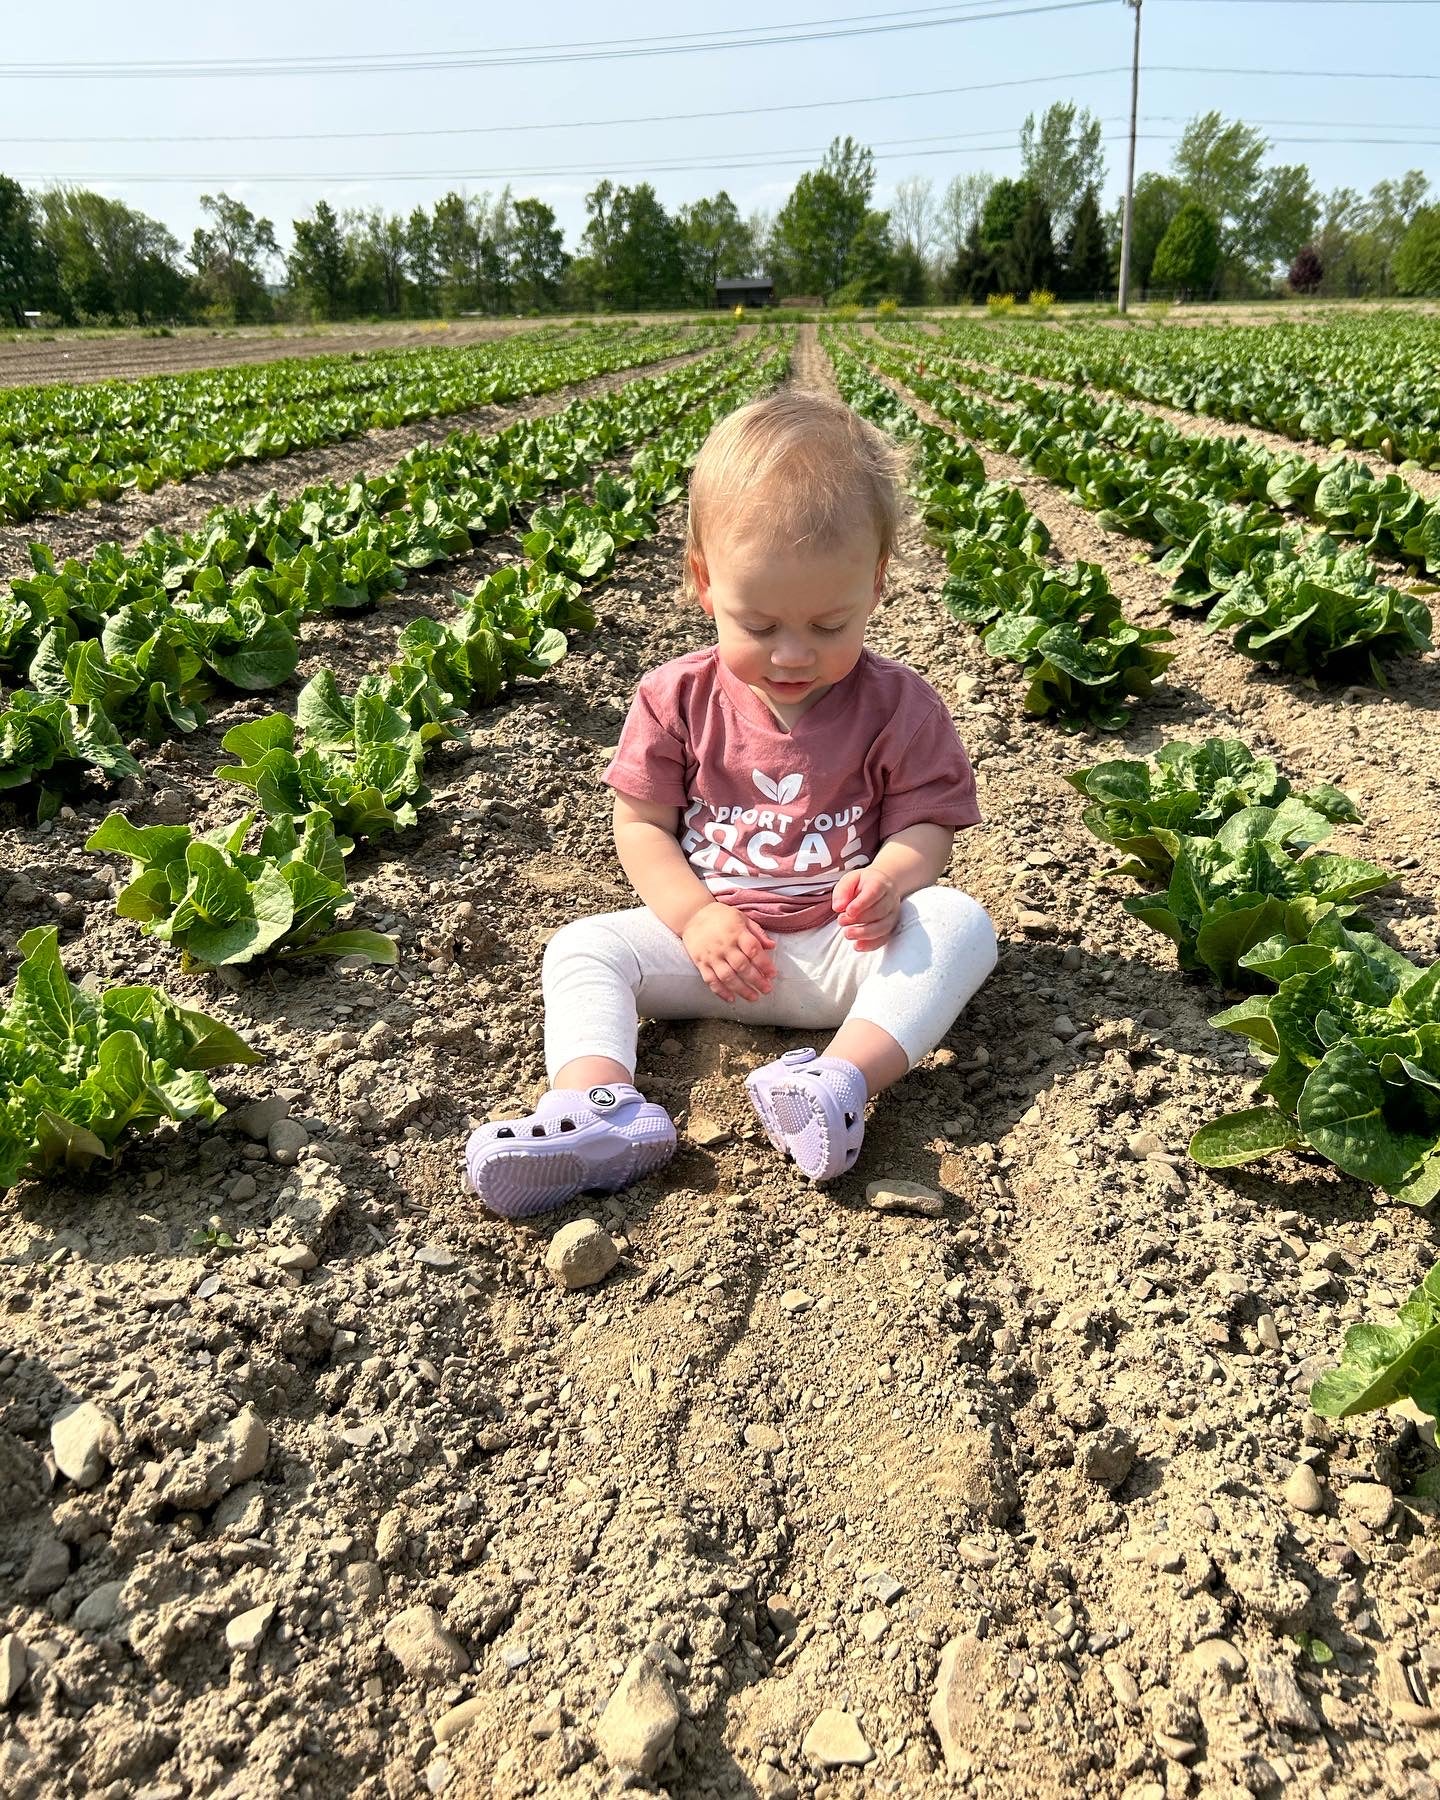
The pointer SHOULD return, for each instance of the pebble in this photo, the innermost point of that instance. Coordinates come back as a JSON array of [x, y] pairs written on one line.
[[225, 1456], [1143, 1144], [905, 1196], [781, 1614], [1268, 1331], [1035, 924], [364, 1580], [242, 1188], [706, 1131], [1123, 1684], [246, 1629], [1370, 1502], [873, 1625], [419, 1642], [14, 1665], [835, 1741], [640, 1718], [883, 1585], [1303, 1490], [1218, 1656], [256, 1119], [1280, 1697], [451, 1724], [285, 1140], [99, 1608], [1064, 1028], [435, 1256], [796, 1300], [764, 1437], [84, 1440], [47, 1569], [1073, 958], [1107, 1457], [581, 1253]]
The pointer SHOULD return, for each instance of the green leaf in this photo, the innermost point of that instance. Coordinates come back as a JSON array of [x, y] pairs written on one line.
[[1380, 1364], [374, 944], [1342, 1113], [1242, 1137]]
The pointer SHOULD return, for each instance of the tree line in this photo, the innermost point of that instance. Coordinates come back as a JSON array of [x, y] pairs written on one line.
[[1222, 221]]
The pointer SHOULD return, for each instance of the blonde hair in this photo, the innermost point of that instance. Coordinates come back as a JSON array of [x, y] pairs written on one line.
[[801, 469]]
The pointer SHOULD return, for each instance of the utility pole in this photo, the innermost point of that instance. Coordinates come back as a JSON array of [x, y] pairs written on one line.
[[1130, 172]]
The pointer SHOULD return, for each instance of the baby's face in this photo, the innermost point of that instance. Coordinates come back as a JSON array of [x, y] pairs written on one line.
[[789, 622]]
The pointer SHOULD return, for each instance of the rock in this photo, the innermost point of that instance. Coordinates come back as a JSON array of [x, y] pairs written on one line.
[[451, 1724], [971, 1473], [1281, 1699], [1107, 1457], [781, 1614], [1123, 1685], [1035, 924], [1369, 1502], [294, 1259], [883, 1585], [246, 1629], [14, 1666], [364, 1580], [435, 1256], [962, 1700], [705, 1131], [1218, 1656], [242, 1188], [905, 1196], [1073, 958], [285, 1140], [419, 1642], [1064, 1028], [835, 1741], [1143, 1144], [98, 1610], [771, 1783], [638, 1724], [873, 1625], [256, 1119], [764, 1437], [1178, 1749], [796, 1300], [84, 1439], [224, 1457], [1268, 1331], [1303, 1490], [581, 1253], [47, 1569]]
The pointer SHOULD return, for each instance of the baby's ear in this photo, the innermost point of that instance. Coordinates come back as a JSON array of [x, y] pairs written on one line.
[[881, 568], [700, 581]]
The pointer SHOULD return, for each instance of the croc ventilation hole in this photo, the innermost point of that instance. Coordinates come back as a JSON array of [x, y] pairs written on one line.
[[567, 1124], [504, 1131], [537, 1131], [849, 1120]]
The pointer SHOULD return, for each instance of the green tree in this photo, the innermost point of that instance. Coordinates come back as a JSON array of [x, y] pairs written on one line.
[[1004, 205], [229, 256], [817, 226], [421, 264], [972, 275], [111, 261], [1157, 200], [1028, 260], [1087, 255], [1061, 157], [537, 250], [27, 270], [457, 250], [1189, 253], [960, 208], [869, 263], [717, 241], [909, 277], [635, 249], [1417, 261], [318, 266]]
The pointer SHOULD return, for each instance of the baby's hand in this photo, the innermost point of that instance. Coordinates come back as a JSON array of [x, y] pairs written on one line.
[[868, 906], [731, 952]]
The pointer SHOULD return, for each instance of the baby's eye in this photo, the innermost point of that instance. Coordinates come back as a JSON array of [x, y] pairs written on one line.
[[829, 630], [759, 630]]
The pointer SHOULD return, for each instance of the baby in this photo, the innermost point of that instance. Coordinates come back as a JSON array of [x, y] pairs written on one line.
[[785, 803]]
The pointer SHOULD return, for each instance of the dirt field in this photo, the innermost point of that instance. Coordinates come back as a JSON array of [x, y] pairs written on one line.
[[1013, 1488], [30, 358]]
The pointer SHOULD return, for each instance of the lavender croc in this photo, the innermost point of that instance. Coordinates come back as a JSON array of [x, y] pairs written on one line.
[[813, 1109], [576, 1141]]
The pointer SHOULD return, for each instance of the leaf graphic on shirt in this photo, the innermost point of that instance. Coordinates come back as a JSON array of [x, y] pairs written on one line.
[[766, 786], [790, 786]]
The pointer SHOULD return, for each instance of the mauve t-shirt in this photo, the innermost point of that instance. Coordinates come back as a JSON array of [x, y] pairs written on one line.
[[771, 819]]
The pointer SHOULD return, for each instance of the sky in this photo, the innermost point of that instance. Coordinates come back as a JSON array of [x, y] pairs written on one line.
[[549, 126]]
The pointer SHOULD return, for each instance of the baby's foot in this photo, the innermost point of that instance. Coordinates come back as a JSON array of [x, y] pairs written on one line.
[[813, 1109], [576, 1140]]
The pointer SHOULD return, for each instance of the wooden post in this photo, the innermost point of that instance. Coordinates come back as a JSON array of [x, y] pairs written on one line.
[[1130, 173]]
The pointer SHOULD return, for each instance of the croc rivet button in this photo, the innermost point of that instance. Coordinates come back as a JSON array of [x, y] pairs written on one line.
[[798, 1056]]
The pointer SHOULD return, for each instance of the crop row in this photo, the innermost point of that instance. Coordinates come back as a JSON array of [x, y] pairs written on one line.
[[78, 1069], [66, 446], [1290, 597], [1371, 384], [1349, 1027], [135, 642], [1063, 627]]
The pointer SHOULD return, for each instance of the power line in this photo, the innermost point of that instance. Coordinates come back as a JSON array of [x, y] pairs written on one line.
[[1293, 74], [432, 61], [681, 118]]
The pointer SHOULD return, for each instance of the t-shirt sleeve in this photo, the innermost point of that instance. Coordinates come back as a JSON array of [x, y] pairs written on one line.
[[931, 781], [649, 760]]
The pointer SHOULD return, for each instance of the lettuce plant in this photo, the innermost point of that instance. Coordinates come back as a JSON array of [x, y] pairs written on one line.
[[53, 746], [1352, 1036], [1380, 1364], [79, 1068], [220, 904]]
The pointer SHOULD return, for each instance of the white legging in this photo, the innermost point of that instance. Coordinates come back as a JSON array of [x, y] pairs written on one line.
[[602, 974]]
